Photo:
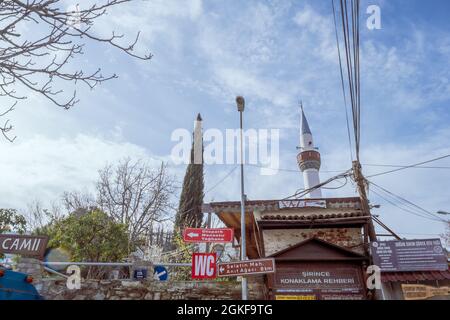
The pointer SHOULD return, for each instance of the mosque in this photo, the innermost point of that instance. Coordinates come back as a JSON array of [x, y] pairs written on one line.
[[320, 245]]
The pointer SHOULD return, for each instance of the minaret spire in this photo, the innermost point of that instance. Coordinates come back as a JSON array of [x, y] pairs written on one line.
[[309, 158], [305, 126]]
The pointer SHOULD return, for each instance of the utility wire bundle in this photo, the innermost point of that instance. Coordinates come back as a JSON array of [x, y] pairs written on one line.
[[349, 12]]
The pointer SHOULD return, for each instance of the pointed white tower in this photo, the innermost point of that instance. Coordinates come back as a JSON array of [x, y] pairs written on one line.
[[309, 159]]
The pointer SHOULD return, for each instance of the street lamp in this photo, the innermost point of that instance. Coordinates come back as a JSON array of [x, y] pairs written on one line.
[[240, 102], [443, 212]]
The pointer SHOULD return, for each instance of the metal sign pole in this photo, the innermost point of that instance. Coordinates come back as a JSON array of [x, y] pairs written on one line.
[[241, 104]]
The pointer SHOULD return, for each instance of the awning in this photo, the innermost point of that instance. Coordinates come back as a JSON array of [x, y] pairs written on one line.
[[415, 276]]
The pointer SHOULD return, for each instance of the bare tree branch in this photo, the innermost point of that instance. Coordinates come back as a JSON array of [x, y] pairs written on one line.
[[38, 59], [135, 194]]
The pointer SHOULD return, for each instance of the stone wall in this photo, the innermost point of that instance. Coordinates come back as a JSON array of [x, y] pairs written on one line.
[[276, 240], [55, 288], [31, 267]]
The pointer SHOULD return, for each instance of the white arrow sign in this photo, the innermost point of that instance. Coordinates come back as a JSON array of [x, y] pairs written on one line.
[[192, 235], [157, 275]]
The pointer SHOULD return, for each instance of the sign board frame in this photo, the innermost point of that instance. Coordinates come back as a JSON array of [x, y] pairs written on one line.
[[25, 245], [207, 257], [247, 264], [160, 273], [409, 255], [423, 292], [317, 280], [208, 235]]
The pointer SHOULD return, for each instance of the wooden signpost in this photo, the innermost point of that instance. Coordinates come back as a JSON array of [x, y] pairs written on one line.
[[199, 235], [246, 268], [30, 246], [423, 292]]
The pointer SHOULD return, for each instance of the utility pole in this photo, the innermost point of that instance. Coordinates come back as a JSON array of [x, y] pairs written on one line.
[[361, 185], [240, 102]]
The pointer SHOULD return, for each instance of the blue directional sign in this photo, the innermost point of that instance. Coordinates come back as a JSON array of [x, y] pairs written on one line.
[[160, 273]]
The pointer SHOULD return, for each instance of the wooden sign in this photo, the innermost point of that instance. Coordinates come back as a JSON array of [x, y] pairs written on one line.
[[423, 292], [31, 246], [245, 268], [330, 281], [204, 266], [198, 235]]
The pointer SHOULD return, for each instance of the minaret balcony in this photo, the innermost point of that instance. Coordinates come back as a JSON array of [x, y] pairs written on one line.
[[309, 160]]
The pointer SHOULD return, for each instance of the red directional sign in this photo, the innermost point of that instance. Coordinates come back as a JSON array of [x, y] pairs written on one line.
[[247, 267], [198, 235], [204, 266]]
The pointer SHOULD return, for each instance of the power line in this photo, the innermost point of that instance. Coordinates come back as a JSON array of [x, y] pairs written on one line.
[[411, 166], [291, 170], [405, 167], [426, 212], [221, 180], [420, 234], [404, 209], [342, 80], [300, 194], [352, 63]]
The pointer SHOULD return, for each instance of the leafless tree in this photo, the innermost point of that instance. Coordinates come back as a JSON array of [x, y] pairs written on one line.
[[76, 200], [135, 194], [38, 216], [39, 39], [446, 236]]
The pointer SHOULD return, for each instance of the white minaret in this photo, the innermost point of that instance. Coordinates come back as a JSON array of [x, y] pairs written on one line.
[[309, 159]]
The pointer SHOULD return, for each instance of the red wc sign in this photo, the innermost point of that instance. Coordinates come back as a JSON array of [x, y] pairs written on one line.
[[204, 266]]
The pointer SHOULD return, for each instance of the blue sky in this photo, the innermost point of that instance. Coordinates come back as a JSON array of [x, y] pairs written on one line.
[[275, 53]]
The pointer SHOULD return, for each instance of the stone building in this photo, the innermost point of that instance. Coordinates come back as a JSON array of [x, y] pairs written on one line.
[[319, 245]]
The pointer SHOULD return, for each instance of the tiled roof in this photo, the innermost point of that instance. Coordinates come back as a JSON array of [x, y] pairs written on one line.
[[274, 204], [334, 215], [415, 276]]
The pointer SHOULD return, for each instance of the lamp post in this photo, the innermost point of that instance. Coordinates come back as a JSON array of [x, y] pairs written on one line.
[[444, 213], [240, 102]]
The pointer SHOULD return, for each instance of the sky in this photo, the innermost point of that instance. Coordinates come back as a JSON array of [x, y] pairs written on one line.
[[275, 53]]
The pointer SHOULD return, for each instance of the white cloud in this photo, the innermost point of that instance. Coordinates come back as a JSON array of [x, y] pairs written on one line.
[[317, 31], [43, 168], [274, 53]]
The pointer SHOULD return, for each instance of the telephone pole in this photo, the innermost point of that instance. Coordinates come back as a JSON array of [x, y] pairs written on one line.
[[361, 185]]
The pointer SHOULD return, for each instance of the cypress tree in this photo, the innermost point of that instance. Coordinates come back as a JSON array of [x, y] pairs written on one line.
[[191, 199]]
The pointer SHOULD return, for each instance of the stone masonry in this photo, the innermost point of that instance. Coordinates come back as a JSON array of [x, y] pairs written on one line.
[[276, 240], [55, 288]]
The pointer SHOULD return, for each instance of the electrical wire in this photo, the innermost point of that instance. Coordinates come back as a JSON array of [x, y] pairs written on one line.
[[404, 209], [291, 170], [300, 194], [407, 167], [342, 80], [351, 38], [221, 180], [336, 188], [425, 212]]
